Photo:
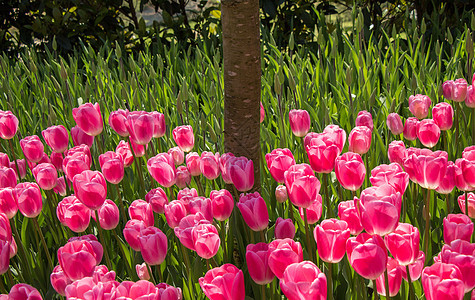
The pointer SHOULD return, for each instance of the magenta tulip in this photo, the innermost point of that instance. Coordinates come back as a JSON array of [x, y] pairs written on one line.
[[428, 133], [281, 194], [112, 167], [367, 254], [283, 253], [447, 183], [206, 240], [257, 259], [184, 138], [76, 164], [177, 154], [123, 149], [140, 125], [457, 226], [5, 229], [350, 170], [162, 169], [32, 147], [118, 120], [108, 215], [183, 177], [419, 105], [90, 188], [394, 123], [303, 281], [347, 212], [142, 271], [279, 161], [73, 214], [8, 125], [89, 118], [471, 204], [174, 212], [284, 229], [159, 126], [262, 113], [455, 89], [394, 279], [302, 185], [59, 280], [193, 162], [364, 118], [254, 211], [415, 269], [153, 245], [8, 177], [314, 211], [470, 98], [209, 165], [359, 139], [390, 174], [222, 203], [80, 137], [223, 160], [28, 198], [336, 134], [241, 172], [132, 232], [442, 281], [426, 168], [4, 160], [8, 205], [397, 152], [22, 291], [56, 137], [45, 175], [331, 236], [403, 243], [139, 150], [185, 228], [299, 122], [443, 115], [21, 167], [322, 152], [410, 129], [141, 210], [157, 198], [462, 254], [78, 259], [225, 282], [202, 205]]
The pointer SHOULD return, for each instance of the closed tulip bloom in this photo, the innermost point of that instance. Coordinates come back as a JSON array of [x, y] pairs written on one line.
[[262, 113], [8, 177], [206, 240], [447, 183], [427, 169], [284, 229], [123, 149], [141, 210], [419, 105], [462, 254], [347, 212], [159, 126], [322, 152], [84, 149], [390, 174], [88, 117], [162, 169], [364, 118], [257, 259], [4, 160], [457, 226], [21, 167], [254, 211], [455, 89], [225, 282], [394, 123], [75, 164], [379, 209], [5, 229], [428, 133], [331, 236], [96, 246], [177, 154], [24, 291], [139, 150], [410, 128], [90, 188], [193, 161], [415, 269], [108, 215], [118, 120], [8, 125], [304, 280], [397, 152], [78, 259], [73, 214], [132, 231], [59, 280], [185, 228], [80, 137], [45, 175], [202, 205], [57, 138], [471, 204], [57, 160], [174, 212], [222, 204], [360, 139], [209, 165], [467, 162], [279, 161], [183, 137], [32, 147], [142, 271], [223, 160], [112, 167], [314, 211], [443, 115], [336, 134], [157, 198], [350, 170], [283, 253], [403, 243], [442, 281], [5, 254], [28, 197], [183, 177], [302, 185], [367, 254], [153, 245], [470, 98], [299, 122], [394, 279], [8, 204], [241, 172], [281, 193], [140, 125]]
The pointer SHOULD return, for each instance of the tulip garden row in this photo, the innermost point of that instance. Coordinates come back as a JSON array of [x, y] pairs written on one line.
[[125, 199]]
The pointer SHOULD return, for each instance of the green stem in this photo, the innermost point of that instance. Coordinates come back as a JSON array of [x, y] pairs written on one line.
[[427, 230], [447, 202], [171, 194], [152, 279], [386, 280], [411, 287], [330, 282], [363, 288], [223, 239], [160, 275], [466, 203], [24, 259], [127, 265], [43, 242], [121, 204], [138, 166], [304, 152], [68, 191], [307, 235], [199, 185], [263, 292], [263, 238], [327, 198], [103, 241], [375, 290]]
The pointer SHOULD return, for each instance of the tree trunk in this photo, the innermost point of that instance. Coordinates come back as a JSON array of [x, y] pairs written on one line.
[[242, 80]]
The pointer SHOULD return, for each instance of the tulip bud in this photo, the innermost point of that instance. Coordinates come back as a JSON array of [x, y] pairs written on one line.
[[184, 138], [410, 129], [56, 137], [254, 211], [364, 118], [284, 229], [281, 193], [299, 122], [394, 123], [443, 115]]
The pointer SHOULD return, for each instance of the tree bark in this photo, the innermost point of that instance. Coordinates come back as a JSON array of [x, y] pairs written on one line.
[[242, 80]]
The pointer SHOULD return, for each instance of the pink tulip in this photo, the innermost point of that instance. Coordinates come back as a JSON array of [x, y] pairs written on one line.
[[159, 126], [73, 214], [28, 198], [457, 226], [410, 129], [90, 188], [360, 139], [299, 122], [5, 254], [257, 259], [455, 90], [364, 118], [140, 125], [56, 137], [470, 98], [281, 194], [8, 204], [241, 172], [32, 147], [78, 259], [183, 177], [394, 123], [112, 167], [45, 175], [462, 254], [223, 160], [21, 166], [304, 280], [57, 160], [108, 215], [331, 236], [8, 125], [394, 279], [350, 170], [75, 164], [8, 177], [157, 198], [467, 164], [222, 203], [96, 246], [471, 204], [81, 149], [283, 253], [162, 169], [443, 115], [22, 291], [209, 165], [254, 211], [415, 269], [279, 161], [426, 169], [5, 229], [284, 229], [184, 138], [206, 240], [81, 138], [174, 212], [123, 149], [336, 135], [153, 245], [347, 212], [302, 185], [185, 228], [89, 118], [447, 183], [314, 211], [225, 282], [141, 210], [59, 280], [193, 162], [142, 271], [403, 243], [367, 254], [322, 152], [202, 205], [118, 120], [4, 160], [442, 281], [177, 154], [419, 105], [262, 113], [428, 133], [390, 174], [132, 232]]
